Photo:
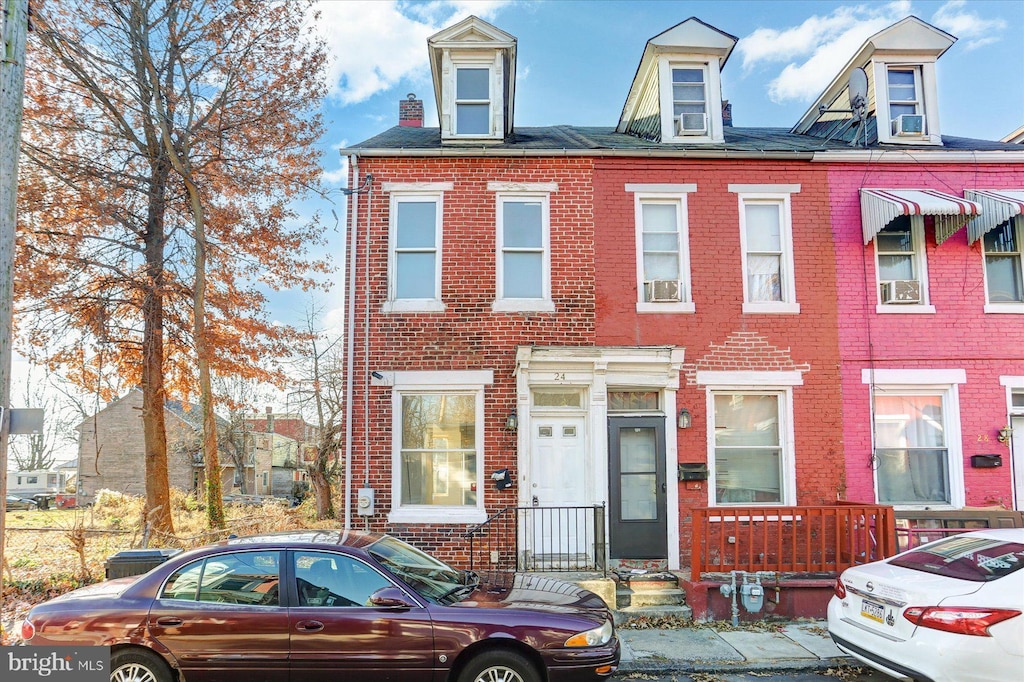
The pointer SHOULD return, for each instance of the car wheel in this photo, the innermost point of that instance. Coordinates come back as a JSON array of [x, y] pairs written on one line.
[[138, 665], [499, 666]]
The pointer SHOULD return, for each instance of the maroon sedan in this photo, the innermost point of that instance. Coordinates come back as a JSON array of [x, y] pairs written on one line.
[[327, 605]]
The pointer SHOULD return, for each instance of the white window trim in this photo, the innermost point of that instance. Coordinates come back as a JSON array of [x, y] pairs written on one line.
[[545, 302], [920, 264], [928, 382], [779, 194], [925, 67], [437, 382], [1012, 384], [712, 94], [664, 193], [452, 61], [1012, 308], [400, 194], [787, 432]]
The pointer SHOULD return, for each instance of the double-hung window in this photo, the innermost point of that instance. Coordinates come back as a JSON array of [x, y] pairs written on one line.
[[473, 100], [916, 427], [414, 253], [663, 254], [901, 266], [438, 436], [766, 237], [750, 442], [523, 249], [748, 448], [689, 100], [904, 90], [1004, 277]]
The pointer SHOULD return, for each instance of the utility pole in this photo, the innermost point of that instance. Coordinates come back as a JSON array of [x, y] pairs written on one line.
[[14, 30]]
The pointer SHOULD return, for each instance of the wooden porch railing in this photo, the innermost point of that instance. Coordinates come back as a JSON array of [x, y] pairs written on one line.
[[815, 539]]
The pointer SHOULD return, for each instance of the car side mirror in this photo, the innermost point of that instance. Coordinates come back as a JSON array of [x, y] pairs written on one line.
[[390, 597]]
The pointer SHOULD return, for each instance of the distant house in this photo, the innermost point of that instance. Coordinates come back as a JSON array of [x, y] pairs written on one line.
[[278, 447], [111, 448]]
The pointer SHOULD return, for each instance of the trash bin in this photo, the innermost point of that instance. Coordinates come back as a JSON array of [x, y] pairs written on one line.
[[136, 561]]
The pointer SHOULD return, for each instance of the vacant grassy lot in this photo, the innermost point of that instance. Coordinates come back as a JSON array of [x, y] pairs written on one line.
[[50, 552]]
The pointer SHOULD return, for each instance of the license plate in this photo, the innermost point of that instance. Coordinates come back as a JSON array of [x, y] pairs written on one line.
[[872, 610]]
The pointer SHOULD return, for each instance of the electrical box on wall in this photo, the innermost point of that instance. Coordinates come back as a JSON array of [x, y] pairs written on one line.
[[364, 502], [693, 472], [986, 461]]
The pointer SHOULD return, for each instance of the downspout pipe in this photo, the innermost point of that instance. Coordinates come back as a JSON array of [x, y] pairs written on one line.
[[350, 319]]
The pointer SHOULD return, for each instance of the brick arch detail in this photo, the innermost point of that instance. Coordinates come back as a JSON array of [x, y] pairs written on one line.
[[743, 351]]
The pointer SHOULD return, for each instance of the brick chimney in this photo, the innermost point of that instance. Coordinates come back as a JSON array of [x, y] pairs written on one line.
[[410, 112], [726, 113], [270, 419]]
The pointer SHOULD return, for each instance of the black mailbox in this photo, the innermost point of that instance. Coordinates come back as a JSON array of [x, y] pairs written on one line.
[[693, 472], [986, 461]]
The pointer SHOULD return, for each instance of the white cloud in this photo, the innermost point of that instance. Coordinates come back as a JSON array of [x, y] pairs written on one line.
[[336, 177], [374, 45], [954, 18], [817, 48]]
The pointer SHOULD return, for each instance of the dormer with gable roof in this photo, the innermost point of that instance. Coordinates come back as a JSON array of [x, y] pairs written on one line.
[[676, 95], [902, 106], [473, 65]]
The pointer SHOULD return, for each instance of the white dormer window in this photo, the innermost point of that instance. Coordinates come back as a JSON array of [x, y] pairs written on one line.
[[906, 116], [473, 66], [690, 100], [472, 100], [906, 102]]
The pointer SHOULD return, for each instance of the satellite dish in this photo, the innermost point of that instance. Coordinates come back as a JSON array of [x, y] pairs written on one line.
[[858, 89]]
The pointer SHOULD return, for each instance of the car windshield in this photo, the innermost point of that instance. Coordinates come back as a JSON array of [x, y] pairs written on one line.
[[977, 559], [432, 579]]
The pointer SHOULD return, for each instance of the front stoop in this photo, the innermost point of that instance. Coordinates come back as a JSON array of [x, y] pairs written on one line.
[[649, 595]]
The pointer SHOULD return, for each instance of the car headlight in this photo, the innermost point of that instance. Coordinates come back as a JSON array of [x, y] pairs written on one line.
[[595, 637]]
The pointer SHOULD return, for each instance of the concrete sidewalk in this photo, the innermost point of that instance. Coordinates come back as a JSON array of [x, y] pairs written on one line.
[[797, 646]]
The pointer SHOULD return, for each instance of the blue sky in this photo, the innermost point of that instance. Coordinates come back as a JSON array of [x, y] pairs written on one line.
[[576, 60]]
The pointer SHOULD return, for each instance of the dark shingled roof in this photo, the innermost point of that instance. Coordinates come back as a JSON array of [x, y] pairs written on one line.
[[596, 139]]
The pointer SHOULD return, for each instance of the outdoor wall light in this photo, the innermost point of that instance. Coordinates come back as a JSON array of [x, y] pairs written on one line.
[[512, 421], [685, 420], [1004, 434]]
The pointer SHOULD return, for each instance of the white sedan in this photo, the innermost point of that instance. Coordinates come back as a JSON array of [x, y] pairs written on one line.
[[946, 611]]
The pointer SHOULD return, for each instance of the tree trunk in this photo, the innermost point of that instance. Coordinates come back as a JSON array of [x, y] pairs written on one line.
[[158, 493], [321, 490]]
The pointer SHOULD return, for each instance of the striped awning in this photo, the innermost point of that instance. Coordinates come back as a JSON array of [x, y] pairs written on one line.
[[879, 207], [997, 206]]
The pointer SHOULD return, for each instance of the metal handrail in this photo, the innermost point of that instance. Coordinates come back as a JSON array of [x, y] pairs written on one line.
[[548, 539]]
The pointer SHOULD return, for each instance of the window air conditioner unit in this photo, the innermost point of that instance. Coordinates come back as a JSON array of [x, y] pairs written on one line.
[[901, 291], [662, 291], [908, 124], [691, 124]]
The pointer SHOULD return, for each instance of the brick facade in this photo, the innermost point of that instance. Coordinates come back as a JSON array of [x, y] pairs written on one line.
[[468, 335], [958, 336], [719, 336]]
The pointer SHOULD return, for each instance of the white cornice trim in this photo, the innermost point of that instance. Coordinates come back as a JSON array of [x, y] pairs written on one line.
[[522, 186], [913, 376], [417, 186], [661, 188], [917, 156]]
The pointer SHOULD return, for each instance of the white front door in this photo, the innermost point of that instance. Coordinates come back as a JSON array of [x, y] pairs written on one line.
[[1017, 444], [558, 527]]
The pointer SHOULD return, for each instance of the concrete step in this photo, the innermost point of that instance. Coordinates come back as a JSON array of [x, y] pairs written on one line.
[[651, 614], [672, 596]]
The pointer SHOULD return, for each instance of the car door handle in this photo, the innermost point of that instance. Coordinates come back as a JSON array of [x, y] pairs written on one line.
[[169, 621], [309, 626]]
